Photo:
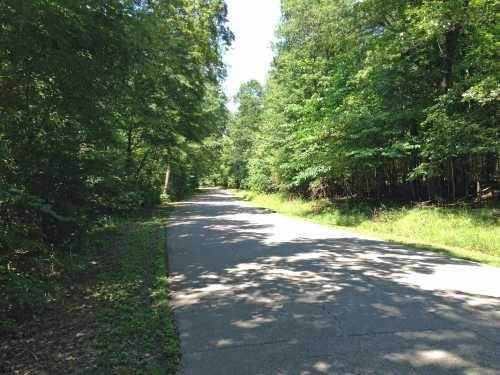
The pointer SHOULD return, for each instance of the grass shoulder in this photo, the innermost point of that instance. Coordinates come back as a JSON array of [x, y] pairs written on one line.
[[106, 309], [462, 232]]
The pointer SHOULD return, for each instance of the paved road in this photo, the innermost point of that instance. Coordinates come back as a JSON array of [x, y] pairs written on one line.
[[256, 292]]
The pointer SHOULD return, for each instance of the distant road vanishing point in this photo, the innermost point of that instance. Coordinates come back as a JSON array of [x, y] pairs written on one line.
[[255, 292]]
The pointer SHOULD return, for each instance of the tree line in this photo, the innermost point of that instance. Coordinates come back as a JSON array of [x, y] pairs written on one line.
[[98, 100], [392, 99]]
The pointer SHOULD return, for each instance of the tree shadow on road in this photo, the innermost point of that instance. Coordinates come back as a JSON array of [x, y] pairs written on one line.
[[320, 305]]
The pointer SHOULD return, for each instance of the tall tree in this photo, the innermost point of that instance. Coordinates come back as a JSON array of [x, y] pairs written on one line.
[[96, 100], [239, 137], [381, 99]]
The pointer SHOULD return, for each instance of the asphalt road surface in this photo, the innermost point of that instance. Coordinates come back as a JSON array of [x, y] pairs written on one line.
[[256, 292]]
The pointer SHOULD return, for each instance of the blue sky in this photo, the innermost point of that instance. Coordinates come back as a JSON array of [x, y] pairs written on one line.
[[253, 22]]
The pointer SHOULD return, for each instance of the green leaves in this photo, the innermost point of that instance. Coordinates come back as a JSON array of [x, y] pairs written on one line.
[[380, 98], [239, 138], [98, 98]]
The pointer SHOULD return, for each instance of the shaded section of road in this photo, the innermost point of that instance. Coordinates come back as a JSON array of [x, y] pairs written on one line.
[[256, 292]]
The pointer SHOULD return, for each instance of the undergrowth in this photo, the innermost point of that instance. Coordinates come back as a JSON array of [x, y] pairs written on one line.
[[103, 310]]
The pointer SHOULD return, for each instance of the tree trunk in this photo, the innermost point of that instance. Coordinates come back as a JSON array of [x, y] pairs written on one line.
[[167, 180], [453, 185], [380, 181], [489, 168], [466, 178], [448, 57], [129, 152]]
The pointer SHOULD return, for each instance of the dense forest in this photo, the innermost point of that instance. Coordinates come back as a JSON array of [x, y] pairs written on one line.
[[391, 99], [99, 101]]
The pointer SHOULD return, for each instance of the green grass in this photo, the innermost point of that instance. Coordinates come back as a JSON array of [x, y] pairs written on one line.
[[463, 232], [108, 310]]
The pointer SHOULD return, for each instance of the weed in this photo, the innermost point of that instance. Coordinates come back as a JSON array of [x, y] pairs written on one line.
[[465, 232], [109, 311]]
